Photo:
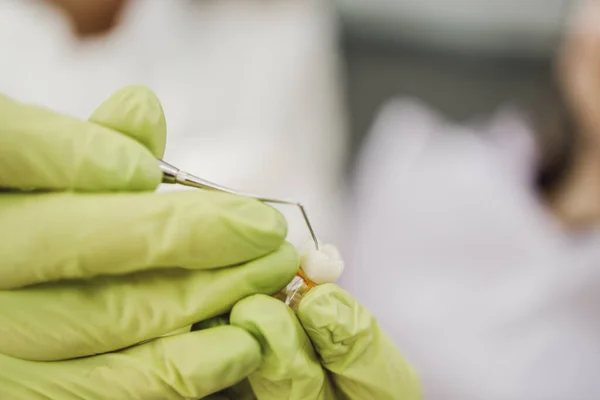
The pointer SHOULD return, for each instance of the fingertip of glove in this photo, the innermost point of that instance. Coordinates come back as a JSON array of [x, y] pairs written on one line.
[[272, 272], [198, 229], [241, 344], [252, 219], [264, 220], [238, 341], [245, 314], [334, 320], [136, 112], [324, 296], [352, 346], [258, 307], [212, 359], [274, 327], [289, 253]]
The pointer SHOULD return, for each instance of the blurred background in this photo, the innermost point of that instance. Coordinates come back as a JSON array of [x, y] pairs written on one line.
[[447, 146], [465, 58]]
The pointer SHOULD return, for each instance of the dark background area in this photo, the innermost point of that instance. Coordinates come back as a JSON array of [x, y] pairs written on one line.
[[460, 86]]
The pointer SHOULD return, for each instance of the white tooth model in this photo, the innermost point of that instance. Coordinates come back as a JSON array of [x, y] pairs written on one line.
[[321, 266], [317, 267]]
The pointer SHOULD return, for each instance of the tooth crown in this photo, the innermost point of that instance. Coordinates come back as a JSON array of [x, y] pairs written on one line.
[[321, 266]]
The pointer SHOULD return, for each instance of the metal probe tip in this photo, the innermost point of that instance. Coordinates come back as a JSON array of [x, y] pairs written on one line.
[[173, 175]]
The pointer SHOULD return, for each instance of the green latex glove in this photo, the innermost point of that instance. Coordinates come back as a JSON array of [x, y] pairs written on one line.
[[333, 349], [94, 261]]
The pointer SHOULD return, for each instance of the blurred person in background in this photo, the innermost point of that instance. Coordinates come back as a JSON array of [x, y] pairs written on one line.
[[250, 89], [96, 267], [489, 284]]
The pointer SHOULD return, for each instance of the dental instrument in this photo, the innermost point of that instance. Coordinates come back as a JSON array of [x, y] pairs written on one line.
[[173, 175], [317, 265]]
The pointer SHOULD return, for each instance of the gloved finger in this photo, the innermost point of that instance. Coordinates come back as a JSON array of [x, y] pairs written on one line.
[[81, 318], [289, 368], [41, 149], [136, 112], [363, 361], [187, 366], [56, 236]]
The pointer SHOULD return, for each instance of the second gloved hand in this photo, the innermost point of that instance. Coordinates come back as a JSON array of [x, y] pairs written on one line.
[[333, 349], [93, 262]]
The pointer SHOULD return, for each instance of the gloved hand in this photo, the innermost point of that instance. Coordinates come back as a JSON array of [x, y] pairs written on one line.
[[334, 349], [93, 262]]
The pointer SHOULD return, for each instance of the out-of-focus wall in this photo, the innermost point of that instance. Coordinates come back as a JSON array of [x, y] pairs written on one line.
[[464, 58], [460, 87], [481, 26]]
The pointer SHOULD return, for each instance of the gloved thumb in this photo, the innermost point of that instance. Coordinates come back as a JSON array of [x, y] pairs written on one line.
[[363, 361], [187, 366], [136, 112]]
